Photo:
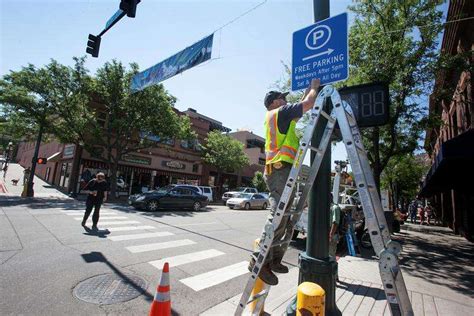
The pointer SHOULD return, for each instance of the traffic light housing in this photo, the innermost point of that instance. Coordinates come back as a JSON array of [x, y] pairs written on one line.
[[93, 45], [41, 161], [129, 7]]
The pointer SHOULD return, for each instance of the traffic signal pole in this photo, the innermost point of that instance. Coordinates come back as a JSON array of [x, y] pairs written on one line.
[[315, 264], [29, 189]]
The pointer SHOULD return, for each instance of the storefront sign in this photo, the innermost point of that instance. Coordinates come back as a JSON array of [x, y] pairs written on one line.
[[137, 159], [173, 164], [68, 151]]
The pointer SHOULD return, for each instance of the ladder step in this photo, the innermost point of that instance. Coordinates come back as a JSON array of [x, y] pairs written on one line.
[[328, 117], [257, 296], [283, 242], [319, 151], [292, 213]]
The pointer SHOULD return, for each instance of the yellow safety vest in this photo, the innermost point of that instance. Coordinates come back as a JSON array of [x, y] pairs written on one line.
[[279, 146]]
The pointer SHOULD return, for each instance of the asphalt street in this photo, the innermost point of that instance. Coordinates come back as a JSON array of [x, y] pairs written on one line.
[[45, 254]]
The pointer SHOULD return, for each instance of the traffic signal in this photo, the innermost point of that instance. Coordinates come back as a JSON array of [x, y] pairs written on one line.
[[129, 7], [93, 45], [42, 161]]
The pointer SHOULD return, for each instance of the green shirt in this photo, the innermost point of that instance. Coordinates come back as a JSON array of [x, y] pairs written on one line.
[[334, 215]]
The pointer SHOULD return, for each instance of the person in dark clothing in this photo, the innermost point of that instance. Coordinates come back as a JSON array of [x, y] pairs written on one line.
[[95, 198]]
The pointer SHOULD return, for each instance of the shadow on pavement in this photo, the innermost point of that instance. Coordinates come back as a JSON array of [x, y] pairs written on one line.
[[99, 233], [440, 259]]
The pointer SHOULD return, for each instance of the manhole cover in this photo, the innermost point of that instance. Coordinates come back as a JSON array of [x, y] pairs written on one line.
[[110, 288]]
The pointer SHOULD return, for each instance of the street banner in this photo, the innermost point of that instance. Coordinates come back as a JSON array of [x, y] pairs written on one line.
[[185, 59]]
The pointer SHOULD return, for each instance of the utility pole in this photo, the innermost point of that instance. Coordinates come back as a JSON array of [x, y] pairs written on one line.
[[29, 189], [315, 264]]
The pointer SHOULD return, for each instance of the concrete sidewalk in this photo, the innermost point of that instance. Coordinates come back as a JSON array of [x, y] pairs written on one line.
[[41, 188], [437, 269]]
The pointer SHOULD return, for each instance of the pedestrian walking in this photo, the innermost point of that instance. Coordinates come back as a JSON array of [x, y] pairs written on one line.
[[334, 222], [422, 214], [97, 195], [412, 209], [5, 169], [428, 213], [281, 145]]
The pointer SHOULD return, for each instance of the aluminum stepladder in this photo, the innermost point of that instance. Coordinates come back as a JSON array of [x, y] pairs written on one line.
[[386, 249]]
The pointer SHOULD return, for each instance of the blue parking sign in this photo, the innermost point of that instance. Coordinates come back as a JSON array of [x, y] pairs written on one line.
[[320, 51]]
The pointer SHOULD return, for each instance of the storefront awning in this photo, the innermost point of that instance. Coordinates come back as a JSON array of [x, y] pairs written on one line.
[[55, 157], [453, 167]]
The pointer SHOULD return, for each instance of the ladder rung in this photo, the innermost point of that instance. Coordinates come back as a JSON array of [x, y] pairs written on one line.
[[257, 296], [292, 213], [316, 149], [328, 117], [283, 242]]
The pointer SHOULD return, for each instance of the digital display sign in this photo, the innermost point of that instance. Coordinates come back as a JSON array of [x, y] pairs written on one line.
[[369, 102]]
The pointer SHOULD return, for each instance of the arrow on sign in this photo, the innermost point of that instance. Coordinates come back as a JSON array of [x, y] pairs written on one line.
[[326, 52]]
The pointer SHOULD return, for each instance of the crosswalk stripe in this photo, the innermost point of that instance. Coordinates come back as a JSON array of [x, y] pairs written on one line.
[[160, 245], [187, 258], [127, 228], [82, 213], [139, 236], [104, 217], [211, 278], [118, 222]]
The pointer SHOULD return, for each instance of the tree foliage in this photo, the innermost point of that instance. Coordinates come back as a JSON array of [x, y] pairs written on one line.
[[258, 182], [395, 42], [402, 177], [132, 119], [224, 153]]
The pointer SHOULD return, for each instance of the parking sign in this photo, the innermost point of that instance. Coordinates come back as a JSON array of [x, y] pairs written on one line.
[[320, 51]]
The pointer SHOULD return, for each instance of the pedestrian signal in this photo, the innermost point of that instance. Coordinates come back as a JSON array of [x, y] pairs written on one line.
[[41, 161]]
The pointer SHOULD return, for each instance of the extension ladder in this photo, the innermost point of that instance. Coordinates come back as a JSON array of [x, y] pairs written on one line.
[[386, 249]]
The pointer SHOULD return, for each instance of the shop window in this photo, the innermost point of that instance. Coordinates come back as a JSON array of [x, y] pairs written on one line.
[[195, 168]]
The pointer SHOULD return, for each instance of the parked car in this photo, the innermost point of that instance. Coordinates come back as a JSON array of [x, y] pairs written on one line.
[[169, 197], [226, 196], [248, 201], [207, 191]]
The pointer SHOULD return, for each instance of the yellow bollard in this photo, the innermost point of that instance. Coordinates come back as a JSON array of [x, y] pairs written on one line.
[[310, 299], [259, 285]]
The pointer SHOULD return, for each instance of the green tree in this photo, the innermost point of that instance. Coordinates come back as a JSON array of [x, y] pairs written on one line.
[[258, 182], [402, 177], [132, 118], [224, 153], [395, 42]]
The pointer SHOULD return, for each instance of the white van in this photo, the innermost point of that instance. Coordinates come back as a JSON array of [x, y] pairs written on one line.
[[207, 191]]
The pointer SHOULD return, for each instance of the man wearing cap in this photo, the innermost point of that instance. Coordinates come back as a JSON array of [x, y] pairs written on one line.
[[281, 144]]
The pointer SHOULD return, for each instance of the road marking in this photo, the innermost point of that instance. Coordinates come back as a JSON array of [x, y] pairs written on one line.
[[139, 236], [211, 278], [82, 213], [127, 228], [105, 217], [160, 245], [194, 224], [118, 222], [187, 258]]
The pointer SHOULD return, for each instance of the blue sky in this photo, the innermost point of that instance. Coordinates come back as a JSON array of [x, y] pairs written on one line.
[[229, 88]]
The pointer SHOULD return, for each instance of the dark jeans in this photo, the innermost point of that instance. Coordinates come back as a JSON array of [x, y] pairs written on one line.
[[92, 202]]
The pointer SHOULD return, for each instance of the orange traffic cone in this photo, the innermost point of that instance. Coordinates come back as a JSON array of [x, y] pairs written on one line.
[[161, 305]]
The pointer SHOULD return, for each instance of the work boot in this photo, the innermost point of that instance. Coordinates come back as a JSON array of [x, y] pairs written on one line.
[[266, 274], [277, 267], [94, 227], [83, 224]]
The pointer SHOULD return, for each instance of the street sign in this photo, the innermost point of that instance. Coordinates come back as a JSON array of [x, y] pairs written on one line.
[[320, 51], [114, 19], [369, 102]]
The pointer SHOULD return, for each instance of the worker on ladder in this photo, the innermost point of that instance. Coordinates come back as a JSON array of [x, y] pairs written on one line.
[[281, 144]]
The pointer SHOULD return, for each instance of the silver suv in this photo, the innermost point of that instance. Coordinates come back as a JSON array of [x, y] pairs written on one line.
[[231, 194]]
